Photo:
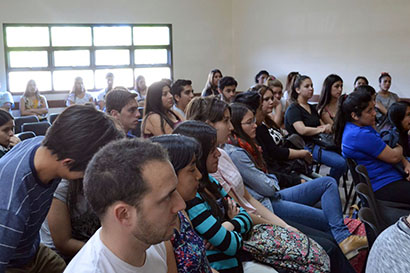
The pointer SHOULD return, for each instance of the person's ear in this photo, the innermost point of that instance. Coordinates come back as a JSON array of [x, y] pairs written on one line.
[[220, 91], [123, 213], [177, 98], [354, 116], [114, 113], [210, 122], [67, 162]]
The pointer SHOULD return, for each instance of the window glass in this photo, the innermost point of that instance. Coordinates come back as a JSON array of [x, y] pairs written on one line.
[[28, 59], [71, 36], [27, 36], [153, 74], [72, 58], [112, 36], [151, 35], [112, 57], [63, 80], [18, 80], [122, 77], [151, 56]]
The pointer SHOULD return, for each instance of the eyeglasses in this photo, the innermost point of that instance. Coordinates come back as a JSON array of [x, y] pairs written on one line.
[[249, 122]]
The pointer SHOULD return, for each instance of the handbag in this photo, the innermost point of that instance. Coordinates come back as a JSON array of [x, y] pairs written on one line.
[[286, 250], [325, 141]]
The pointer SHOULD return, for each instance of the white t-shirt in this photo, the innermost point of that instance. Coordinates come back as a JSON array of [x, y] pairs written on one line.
[[95, 257], [81, 101]]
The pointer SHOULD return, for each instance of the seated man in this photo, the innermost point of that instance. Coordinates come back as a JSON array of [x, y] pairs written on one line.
[[29, 175], [182, 93], [137, 205], [122, 105], [103, 93], [227, 88]]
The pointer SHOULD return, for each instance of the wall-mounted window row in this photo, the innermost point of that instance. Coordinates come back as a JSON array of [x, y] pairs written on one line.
[[55, 54]]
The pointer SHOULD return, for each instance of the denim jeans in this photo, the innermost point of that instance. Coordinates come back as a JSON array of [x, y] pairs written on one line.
[[296, 203], [335, 161]]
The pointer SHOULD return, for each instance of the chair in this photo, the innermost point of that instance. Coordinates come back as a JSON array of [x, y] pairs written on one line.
[[53, 117], [351, 164], [39, 128], [25, 135], [370, 223], [19, 121]]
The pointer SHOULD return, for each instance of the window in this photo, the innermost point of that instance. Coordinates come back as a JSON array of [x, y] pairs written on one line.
[[54, 54]]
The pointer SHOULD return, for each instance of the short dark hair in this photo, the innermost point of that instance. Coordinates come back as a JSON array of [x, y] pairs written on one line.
[[396, 114], [383, 75], [5, 117], [78, 133], [227, 81], [260, 73], [361, 78], [115, 173], [178, 86], [117, 98]]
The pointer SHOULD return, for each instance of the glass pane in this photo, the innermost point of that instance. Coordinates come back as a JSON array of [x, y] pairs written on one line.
[[112, 36], [27, 36], [72, 58], [64, 80], [28, 59], [153, 74], [18, 80], [151, 36], [112, 57], [71, 36], [122, 77], [151, 56]]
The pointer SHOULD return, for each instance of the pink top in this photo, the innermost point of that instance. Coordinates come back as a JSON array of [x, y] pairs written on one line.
[[230, 178]]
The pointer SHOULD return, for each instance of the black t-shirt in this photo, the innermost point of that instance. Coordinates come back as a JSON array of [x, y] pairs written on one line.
[[271, 141], [295, 113]]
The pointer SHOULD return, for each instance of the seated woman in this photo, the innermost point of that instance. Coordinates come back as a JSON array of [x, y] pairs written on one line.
[[32, 103], [399, 116], [303, 119], [79, 95], [211, 86], [141, 89], [360, 80], [158, 118], [279, 102], [70, 221], [293, 203], [187, 246], [7, 138], [331, 91], [354, 131], [215, 216], [384, 99]]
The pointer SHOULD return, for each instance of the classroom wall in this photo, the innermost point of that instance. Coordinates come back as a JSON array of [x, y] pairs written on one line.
[[316, 37]]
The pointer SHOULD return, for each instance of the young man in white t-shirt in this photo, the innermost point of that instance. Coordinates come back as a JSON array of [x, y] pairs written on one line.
[[131, 186]]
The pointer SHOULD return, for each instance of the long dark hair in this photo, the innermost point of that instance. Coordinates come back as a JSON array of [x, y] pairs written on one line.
[[396, 114], [355, 102], [208, 84], [181, 149], [267, 119], [289, 80], [206, 109], [296, 84], [239, 110], [5, 117], [326, 94], [153, 104], [206, 136]]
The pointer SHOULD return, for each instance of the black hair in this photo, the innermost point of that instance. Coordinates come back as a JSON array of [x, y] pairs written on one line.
[[267, 119], [206, 135], [110, 176], [117, 98], [396, 114], [260, 73], [209, 89], [206, 109], [326, 93], [289, 80], [5, 117], [355, 102], [361, 78], [296, 84], [252, 99], [153, 104], [383, 75], [226, 81], [78, 133], [178, 86], [181, 149]]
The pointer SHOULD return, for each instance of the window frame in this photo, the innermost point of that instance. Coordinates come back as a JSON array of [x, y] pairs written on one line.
[[92, 49]]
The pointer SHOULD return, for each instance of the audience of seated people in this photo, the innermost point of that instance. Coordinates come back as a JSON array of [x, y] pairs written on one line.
[[32, 103], [182, 94], [228, 169], [79, 95]]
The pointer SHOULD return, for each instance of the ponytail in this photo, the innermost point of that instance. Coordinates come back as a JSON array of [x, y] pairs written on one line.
[[339, 121], [296, 84]]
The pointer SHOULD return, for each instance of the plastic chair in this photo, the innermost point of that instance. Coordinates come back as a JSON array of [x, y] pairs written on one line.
[[19, 121], [25, 135], [39, 128], [53, 117]]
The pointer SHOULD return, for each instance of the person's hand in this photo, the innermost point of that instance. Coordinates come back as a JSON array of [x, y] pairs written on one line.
[[14, 140], [208, 245], [407, 170], [233, 209], [307, 156], [276, 102], [322, 128], [328, 128]]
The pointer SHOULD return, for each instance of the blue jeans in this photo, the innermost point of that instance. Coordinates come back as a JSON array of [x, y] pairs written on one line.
[[335, 161], [295, 204]]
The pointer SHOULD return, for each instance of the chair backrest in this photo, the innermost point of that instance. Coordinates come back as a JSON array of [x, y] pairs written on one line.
[[39, 128], [19, 121], [25, 135], [351, 163], [53, 117], [370, 223]]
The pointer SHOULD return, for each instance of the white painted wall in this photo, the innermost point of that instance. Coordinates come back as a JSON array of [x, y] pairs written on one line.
[[318, 37]]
